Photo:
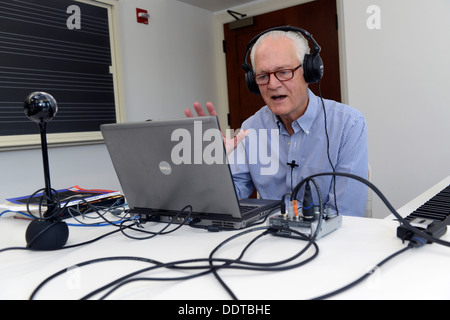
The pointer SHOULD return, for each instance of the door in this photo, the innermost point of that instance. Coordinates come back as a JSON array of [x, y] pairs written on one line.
[[318, 17]]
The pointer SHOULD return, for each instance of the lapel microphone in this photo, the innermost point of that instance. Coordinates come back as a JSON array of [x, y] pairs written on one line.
[[292, 164]]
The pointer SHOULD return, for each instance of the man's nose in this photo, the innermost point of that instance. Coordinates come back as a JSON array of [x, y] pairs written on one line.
[[273, 82]]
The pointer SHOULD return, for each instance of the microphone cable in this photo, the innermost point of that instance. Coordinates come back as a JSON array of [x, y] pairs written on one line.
[[328, 146]]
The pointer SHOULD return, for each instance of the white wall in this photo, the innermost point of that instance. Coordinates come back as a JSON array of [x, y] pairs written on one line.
[[167, 65], [398, 76], [86, 166]]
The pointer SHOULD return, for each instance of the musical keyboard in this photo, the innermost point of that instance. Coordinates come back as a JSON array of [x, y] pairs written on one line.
[[433, 203], [437, 208], [431, 213]]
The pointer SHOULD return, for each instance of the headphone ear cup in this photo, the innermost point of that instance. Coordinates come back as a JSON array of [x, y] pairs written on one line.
[[312, 68], [250, 80]]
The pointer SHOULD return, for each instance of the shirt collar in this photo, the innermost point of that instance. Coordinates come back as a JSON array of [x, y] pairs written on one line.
[[306, 121]]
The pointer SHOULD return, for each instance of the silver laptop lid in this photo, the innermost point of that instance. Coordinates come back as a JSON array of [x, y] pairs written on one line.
[[166, 165]]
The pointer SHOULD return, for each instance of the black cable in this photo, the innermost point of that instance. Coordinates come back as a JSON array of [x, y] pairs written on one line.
[[214, 270], [311, 239], [123, 227], [209, 270], [162, 231], [65, 247], [28, 247], [55, 213], [55, 275], [126, 279], [366, 275], [90, 241], [179, 265], [266, 266], [227, 263], [151, 279], [96, 209], [328, 147], [13, 248], [57, 202], [262, 219], [44, 195], [382, 197]]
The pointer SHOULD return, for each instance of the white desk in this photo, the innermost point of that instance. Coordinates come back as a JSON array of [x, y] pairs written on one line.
[[344, 256]]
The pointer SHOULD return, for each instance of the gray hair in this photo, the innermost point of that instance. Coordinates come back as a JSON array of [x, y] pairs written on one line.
[[300, 43]]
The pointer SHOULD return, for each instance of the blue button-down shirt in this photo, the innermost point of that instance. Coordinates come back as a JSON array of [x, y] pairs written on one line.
[[260, 161]]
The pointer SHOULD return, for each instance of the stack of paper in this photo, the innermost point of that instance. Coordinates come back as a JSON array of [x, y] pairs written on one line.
[[73, 196]]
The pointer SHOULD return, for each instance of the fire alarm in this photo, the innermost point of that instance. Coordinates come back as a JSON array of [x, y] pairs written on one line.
[[142, 16]]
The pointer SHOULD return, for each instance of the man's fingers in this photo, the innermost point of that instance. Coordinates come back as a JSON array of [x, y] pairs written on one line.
[[240, 136], [198, 108], [211, 109]]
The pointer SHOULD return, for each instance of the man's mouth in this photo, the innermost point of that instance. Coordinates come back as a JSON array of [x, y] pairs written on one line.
[[278, 97]]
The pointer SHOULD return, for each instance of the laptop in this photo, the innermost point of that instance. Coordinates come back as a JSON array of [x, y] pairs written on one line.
[[164, 166]]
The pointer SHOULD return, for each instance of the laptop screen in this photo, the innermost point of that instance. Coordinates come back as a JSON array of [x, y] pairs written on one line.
[[167, 165]]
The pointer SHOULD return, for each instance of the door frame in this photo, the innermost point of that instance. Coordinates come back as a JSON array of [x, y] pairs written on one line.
[[222, 104]]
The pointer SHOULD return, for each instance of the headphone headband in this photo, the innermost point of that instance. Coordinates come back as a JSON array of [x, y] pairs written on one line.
[[312, 63], [316, 47]]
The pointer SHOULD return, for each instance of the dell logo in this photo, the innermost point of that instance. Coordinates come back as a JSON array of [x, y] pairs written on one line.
[[165, 168]]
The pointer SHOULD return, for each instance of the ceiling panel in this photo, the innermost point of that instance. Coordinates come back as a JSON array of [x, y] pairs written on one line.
[[216, 5]]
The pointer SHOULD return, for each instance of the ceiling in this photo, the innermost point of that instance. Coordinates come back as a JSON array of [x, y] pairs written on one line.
[[216, 5]]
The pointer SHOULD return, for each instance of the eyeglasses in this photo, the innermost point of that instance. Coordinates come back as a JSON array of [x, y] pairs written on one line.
[[282, 75]]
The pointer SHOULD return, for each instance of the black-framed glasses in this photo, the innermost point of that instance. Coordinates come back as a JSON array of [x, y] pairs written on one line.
[[282, 75]]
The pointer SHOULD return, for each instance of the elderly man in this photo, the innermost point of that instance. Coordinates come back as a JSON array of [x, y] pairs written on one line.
[[304, 133]]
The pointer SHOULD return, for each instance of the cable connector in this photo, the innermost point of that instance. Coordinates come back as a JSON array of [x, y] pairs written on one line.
[[435, 229], [416, 242], [308, 206]]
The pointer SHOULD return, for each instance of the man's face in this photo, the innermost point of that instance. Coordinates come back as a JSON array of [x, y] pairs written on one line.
[[287, 99]]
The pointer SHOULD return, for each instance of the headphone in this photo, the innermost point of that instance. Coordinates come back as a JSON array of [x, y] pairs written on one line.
[[312, 63]]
